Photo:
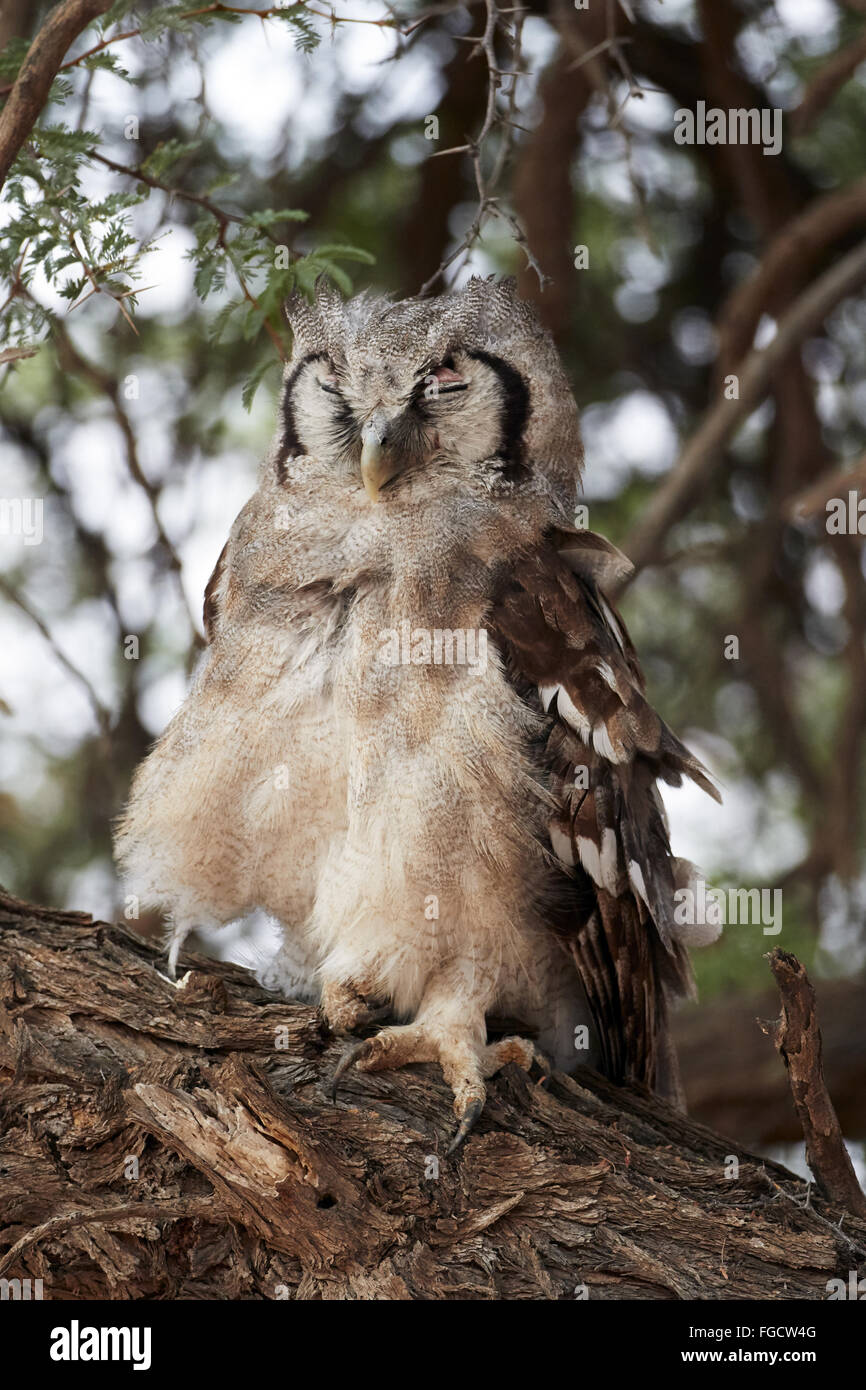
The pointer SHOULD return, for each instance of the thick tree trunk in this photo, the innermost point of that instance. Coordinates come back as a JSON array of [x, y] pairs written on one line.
[[180, 1141]]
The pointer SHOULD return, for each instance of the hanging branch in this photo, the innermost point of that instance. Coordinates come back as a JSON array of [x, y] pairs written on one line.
[[826, 83], [794, 249], [813, 499], [201, 12]]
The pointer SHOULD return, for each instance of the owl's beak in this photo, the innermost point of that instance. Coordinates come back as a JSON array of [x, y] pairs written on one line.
[[378, 464]]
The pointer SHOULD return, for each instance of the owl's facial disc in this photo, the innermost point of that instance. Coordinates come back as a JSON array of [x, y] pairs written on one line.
[[387, 421], [392, 440]]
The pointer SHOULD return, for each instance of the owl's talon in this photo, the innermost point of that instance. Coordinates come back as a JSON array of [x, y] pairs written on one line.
[[377, 1016], [467, 1124], [350, 1057]]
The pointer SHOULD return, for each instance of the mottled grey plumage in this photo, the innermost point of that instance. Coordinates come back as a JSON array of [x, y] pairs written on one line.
[[414, 822]]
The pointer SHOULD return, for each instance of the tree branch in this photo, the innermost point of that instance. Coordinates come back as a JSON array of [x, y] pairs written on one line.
[[813, 499], [702, 453], [220, 1092], [102, 715], [31, 87], [792, 252], [798, 1040], [826, 83], [71, 359], [486, 183]]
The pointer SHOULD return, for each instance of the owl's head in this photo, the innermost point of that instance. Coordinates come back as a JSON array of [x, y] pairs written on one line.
[[429, 390]]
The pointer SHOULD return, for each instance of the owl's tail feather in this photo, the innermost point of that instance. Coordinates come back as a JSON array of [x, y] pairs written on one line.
[[668, 1082], [628, 977]]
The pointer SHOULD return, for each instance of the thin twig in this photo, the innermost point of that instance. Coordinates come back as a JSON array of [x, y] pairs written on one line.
[[486, 183], [103, 715], [813, 499], [201, 12], [142, 176], [223, 218], [72, 359], [852, 1246]]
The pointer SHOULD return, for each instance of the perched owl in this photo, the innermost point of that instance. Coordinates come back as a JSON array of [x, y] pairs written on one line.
[[418, 736]]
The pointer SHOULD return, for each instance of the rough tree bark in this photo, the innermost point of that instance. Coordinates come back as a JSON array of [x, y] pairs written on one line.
[[167, 1141], [799, 1042]]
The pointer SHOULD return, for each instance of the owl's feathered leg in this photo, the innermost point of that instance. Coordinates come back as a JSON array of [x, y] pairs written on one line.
[[465, 1061], [347, 1009]]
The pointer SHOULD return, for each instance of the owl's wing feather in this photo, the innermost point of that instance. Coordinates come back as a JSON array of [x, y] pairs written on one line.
[[567, 651]]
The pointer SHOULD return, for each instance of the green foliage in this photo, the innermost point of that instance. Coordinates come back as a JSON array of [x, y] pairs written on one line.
[[167, 154], [254, 380], [82, 247], [107, 62], [74, 241], [306, 35], [11, 58], [113, 16], [268, 217], [164, 19], [245, 253]]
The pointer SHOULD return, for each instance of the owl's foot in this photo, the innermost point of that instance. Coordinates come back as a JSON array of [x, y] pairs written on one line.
[[346, 1009], [464, 1065]]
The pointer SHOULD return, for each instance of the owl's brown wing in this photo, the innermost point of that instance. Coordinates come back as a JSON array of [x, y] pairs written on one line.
[[568, 653]]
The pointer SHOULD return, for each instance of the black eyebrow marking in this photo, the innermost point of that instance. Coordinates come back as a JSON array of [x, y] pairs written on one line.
[[347, 425], [515, 407], [290, 444]]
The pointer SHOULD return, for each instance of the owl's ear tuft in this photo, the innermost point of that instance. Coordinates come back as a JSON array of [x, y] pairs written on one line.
[[297, 309], [304, 319], [313, 323], [326, 292]]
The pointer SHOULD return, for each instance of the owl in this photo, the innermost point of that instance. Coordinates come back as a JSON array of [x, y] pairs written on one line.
[[418, 736]]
